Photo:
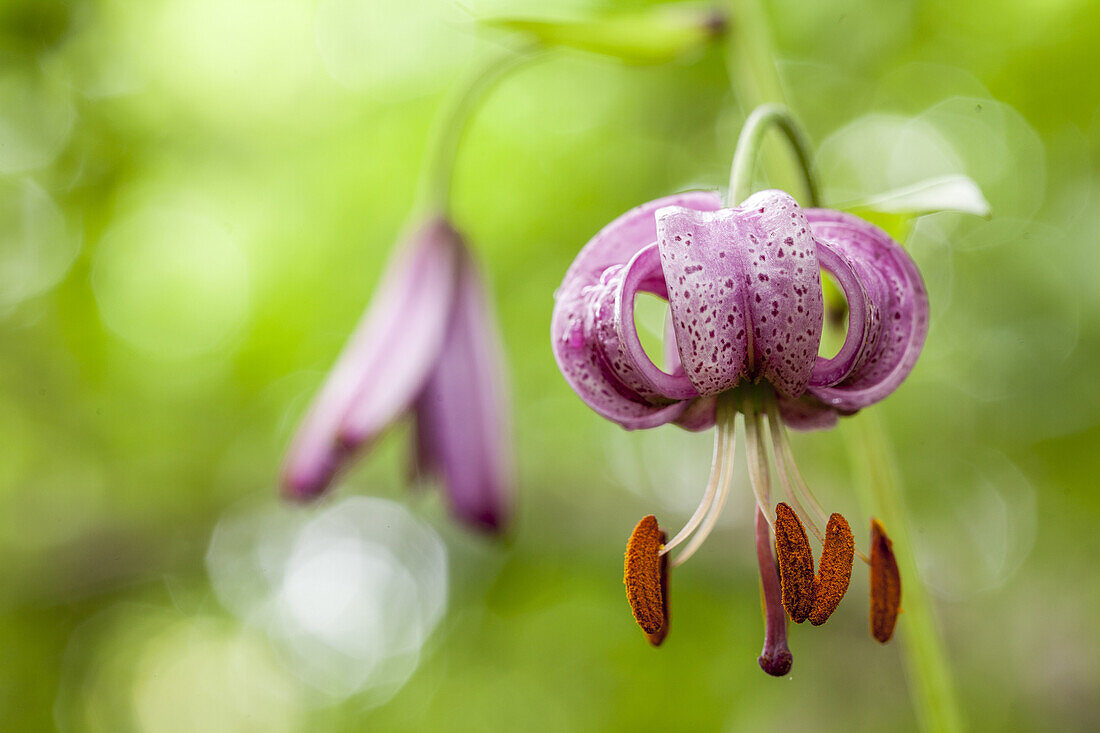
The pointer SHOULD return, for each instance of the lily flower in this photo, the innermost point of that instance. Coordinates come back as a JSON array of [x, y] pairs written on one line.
[[744, 291], [427, 345]]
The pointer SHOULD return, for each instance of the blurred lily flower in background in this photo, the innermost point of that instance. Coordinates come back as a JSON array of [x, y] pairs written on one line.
[[428, 345]]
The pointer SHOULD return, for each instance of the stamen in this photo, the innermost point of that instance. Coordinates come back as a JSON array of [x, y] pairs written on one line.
[[645, 576], [712, 486], [757, 462], [775, 658], [781, 467], [885, 584], [835, 570], [785, 457], [796, 563], [725, 479]]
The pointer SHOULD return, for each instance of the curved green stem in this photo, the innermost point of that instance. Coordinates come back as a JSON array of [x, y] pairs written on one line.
[[451, 123], [748, 146], [752, 71], [754, 79], [926, 661]]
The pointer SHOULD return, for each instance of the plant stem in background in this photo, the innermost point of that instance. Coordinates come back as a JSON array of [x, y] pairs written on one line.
[[881, 491], [751, 66], [750, 63], [450, 125]]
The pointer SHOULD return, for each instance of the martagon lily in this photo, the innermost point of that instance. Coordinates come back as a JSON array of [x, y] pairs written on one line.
[[427, 345], [744, 290]]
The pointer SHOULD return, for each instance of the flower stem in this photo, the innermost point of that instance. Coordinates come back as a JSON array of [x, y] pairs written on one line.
[[450, 124], [748, 146], [750, 64], [752, 71], [925, 658]]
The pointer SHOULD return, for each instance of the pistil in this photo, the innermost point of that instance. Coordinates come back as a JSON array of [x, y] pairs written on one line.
[[775, 658]]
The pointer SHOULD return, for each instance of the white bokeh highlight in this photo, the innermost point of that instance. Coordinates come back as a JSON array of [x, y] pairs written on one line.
[[351, 594]]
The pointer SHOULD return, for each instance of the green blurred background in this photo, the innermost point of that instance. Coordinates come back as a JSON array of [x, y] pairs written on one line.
[[196, 198]]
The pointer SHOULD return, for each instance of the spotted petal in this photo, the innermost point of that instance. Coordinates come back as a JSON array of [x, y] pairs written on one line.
[[745, 293]]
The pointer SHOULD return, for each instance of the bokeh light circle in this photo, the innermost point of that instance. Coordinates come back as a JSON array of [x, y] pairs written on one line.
[[171, 282], [36, 244], [351, 593], [139, 667], [36, 119]]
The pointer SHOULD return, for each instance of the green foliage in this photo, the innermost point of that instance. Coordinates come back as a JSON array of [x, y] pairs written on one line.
[[651, 36], [196, 201]]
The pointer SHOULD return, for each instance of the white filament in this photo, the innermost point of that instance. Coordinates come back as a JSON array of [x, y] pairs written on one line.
[[784, 479], [729, 443], [784, 459], [784, 455], [707, 501], [757, 461]]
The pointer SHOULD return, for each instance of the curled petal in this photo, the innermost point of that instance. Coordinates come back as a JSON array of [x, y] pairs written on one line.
[[385, 362], [864, 317], [892, 324], [806, 413], [700, 414], [642, 274], [462, 429], [745, 293], [592, 332]]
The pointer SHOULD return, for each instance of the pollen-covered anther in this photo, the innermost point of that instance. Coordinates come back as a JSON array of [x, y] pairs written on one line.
[[885, 584], [645, 574], [796, 563], [834, 571]]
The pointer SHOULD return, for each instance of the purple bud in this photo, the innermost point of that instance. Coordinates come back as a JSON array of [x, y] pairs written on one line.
[[427, 343]]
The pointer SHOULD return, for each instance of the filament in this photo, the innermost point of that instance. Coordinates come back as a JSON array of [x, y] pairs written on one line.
[[784, 478], [757, 461], [784, 455], [707, 501], [729, 443]]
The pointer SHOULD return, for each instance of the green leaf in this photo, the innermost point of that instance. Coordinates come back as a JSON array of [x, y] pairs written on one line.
[[954, 192], [651, 36]]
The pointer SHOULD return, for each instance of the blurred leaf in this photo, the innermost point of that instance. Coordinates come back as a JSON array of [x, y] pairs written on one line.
[[651, 36], [954, 192]]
